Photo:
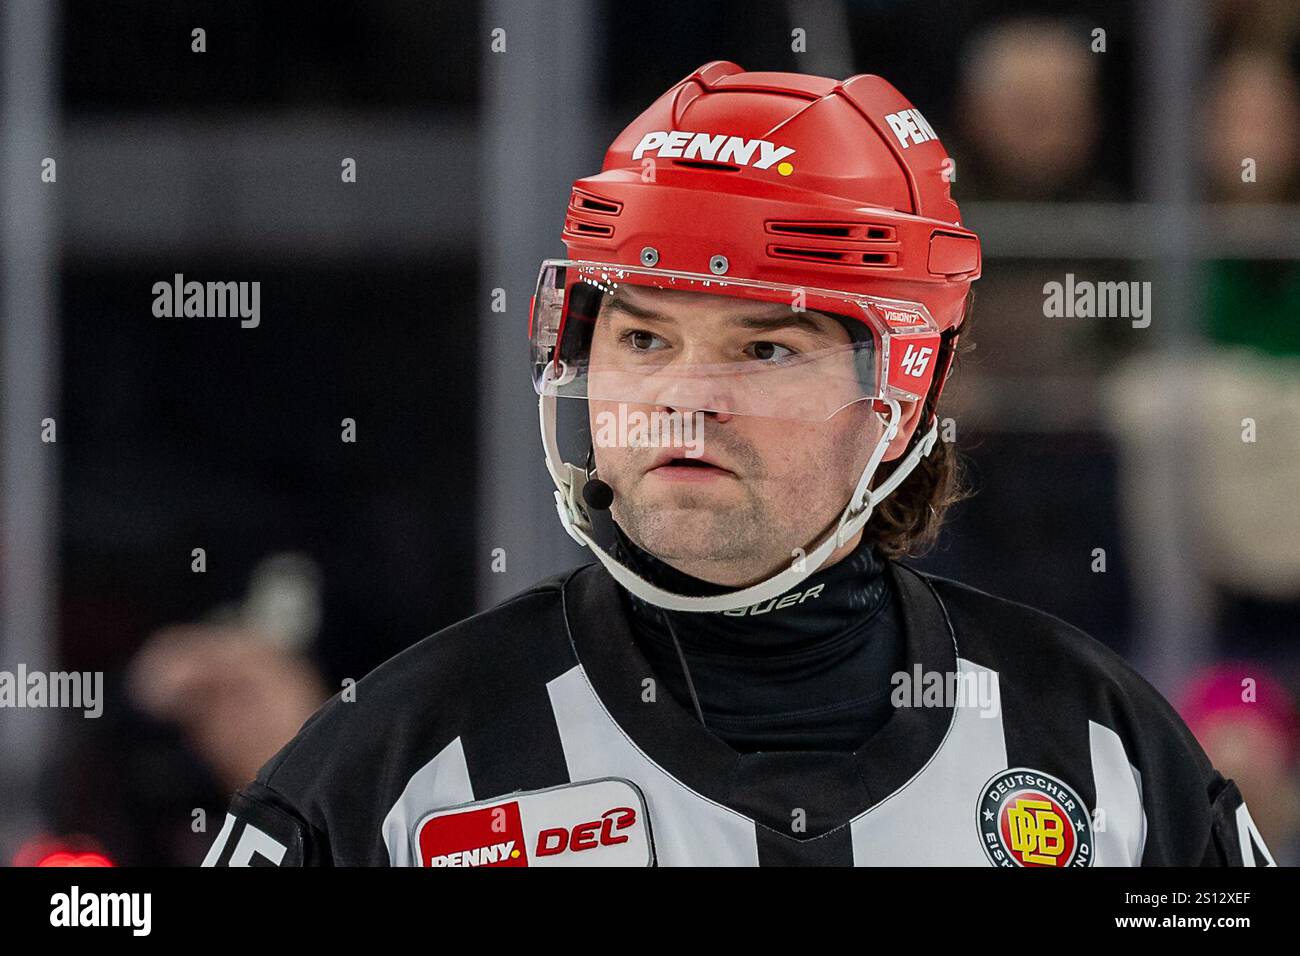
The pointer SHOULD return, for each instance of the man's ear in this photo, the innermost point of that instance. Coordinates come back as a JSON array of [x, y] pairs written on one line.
[[911, 417]]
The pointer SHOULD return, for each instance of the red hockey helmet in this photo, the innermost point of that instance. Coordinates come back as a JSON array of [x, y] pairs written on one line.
[[823, 194], [783, 178]]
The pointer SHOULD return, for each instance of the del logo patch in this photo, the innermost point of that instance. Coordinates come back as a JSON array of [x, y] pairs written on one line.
[[592, 823], [1029, 818]]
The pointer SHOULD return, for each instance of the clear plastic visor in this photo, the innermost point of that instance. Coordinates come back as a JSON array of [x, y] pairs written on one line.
[[689, 342]]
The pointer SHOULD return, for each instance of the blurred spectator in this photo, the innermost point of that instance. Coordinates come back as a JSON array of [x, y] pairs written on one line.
[[240, 685], [1247, 724], [1253, 111], [237, 698], [1029, 113], [197, 712]]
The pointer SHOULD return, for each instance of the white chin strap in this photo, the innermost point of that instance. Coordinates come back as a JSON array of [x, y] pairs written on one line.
[[569, 480]]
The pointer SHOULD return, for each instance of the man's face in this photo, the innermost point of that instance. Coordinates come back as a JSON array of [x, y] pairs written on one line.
[[760, 486]]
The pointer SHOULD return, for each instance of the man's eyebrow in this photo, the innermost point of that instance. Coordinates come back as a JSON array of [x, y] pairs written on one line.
[[614, 303], [785, 318]]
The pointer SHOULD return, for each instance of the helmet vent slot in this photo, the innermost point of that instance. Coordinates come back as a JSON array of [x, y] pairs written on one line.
[[590, 202], [811, 229], [852, 231], [581, 228], [842, 257], [819, 255]]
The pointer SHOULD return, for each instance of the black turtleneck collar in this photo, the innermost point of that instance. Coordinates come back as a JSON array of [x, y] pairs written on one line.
[[808, 670], [826, 604]]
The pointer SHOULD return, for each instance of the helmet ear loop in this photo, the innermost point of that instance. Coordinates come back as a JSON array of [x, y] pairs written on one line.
[[891, 420], [861, 504]]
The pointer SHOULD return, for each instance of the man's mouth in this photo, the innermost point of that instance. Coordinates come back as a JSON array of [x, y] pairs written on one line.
[[684, 468]]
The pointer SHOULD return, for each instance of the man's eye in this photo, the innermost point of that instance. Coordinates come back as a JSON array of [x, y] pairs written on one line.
[[770, 352], [641, 341]]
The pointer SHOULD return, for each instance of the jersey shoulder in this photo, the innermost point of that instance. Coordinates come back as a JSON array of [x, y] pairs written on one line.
[[1035, 649], [414, 704]]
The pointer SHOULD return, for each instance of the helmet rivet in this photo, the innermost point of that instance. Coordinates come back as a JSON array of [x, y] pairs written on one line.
[[649, 256], [719, 265]]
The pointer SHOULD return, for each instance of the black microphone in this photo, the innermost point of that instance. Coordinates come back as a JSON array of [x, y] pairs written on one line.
[[597, 494]]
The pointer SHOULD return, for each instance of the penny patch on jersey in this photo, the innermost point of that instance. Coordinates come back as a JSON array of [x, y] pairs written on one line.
[[1030, 818], [591, 823]]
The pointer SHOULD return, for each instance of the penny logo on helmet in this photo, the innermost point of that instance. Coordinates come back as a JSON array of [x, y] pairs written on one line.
[[719, 148]]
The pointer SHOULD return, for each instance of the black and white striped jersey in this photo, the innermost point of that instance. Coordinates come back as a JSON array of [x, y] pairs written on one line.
[[535, 734]]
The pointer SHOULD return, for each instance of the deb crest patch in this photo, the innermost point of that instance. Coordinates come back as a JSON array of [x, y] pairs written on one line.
[[1029, 818], [591, 823]]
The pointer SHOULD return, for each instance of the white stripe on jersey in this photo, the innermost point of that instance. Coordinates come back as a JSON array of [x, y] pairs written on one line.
[[687, 829], [931, 819], [442, 782], [1120, 829]]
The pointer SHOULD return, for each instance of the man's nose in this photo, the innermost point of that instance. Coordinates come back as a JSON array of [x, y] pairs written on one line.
[[686, 410], [689, 389]]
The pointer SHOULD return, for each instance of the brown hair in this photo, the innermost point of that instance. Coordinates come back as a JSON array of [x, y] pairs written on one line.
[[907, 522]]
